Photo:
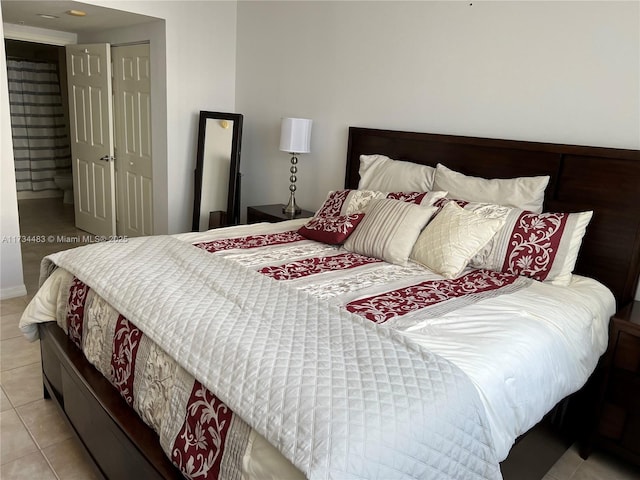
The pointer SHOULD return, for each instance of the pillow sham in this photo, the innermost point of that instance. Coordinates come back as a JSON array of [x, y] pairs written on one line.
[[526, 193], [543, 246], [347, 202], [389, 229], [452, 238], [331, 230], [379, 172]]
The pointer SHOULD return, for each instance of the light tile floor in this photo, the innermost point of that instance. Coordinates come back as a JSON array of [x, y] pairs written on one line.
[[36, 443]]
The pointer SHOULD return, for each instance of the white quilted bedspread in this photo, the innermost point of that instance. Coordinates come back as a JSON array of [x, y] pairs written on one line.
[[338, 395]]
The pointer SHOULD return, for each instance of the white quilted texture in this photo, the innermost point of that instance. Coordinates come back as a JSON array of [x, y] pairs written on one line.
[[337, 395], [453, 237]]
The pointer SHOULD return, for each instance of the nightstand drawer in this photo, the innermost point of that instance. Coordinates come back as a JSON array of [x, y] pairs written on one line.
[[620, 417], [624, 390], [612, 421], [632, 433], [627, 355], [617, 423]]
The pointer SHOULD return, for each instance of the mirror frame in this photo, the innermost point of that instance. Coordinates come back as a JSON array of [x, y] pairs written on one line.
[[233, 194]]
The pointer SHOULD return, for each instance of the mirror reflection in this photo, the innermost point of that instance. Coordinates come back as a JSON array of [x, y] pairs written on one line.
[[217, 176]]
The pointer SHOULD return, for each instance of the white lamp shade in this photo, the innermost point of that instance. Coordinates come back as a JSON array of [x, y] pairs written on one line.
[[295, 135]]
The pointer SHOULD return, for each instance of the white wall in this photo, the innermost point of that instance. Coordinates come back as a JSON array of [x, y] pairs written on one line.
[[565, 72], [200, 75], [11, 277]]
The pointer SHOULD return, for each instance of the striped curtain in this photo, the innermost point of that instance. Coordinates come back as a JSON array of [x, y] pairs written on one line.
[[40, 134]]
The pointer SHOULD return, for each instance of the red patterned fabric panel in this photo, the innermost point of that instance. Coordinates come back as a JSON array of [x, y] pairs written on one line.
[[123, 359], [533, 244], [251, 241], [380, 308], [331, 230], [311, 266], [333, 205], [75, 310], [409, 197], [443, 201], [197, 449]]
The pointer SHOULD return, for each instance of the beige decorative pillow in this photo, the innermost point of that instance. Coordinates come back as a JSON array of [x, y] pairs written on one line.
[[526, 193], [389, 229], [379, 172], [452, 238]]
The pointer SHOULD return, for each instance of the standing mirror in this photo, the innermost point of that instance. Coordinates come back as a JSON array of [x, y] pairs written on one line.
[[216, 201]]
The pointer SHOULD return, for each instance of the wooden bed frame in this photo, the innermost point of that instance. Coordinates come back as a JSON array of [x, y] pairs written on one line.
[[604, 180]]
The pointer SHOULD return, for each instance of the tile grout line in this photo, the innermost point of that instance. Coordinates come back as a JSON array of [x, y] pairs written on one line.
[[39, 450], [19, 366], [577, 468], [27, 223], [17, 413], [33, 438], [22, 421]]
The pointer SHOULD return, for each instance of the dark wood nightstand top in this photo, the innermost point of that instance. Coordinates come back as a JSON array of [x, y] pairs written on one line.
[[272, 213]]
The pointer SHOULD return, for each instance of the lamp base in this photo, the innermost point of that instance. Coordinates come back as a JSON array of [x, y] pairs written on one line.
[[291, 208]]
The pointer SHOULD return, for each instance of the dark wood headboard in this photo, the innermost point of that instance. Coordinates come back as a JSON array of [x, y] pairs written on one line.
[[605, 180]]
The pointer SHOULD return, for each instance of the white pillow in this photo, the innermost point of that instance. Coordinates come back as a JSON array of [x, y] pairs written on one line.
[[452, 238], [389, 229], [378, 172], [526, 193]]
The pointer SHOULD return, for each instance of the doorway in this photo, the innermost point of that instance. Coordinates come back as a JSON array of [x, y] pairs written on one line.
[[22, 22], [41, 172], [39, 119]]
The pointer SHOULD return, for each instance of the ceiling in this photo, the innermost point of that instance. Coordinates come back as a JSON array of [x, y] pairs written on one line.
[[24, 12]]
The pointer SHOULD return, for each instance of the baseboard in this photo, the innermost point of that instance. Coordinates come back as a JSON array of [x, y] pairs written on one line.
[[12, 292]]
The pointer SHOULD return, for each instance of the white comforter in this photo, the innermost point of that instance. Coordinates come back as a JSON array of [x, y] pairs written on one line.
[[338, 395], [523, 352]]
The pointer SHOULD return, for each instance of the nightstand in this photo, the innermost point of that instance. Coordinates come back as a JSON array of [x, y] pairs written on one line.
[[617, 427], [272, 214]]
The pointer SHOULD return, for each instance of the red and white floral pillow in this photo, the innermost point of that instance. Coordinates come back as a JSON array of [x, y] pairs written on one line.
[[331, 230], [347, 202], [542, 246]]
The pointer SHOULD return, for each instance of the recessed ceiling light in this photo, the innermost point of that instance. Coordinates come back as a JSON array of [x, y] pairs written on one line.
[[46, 15], [76, 13]]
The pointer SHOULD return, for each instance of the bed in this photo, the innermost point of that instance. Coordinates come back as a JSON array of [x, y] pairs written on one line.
[[122, 445]]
